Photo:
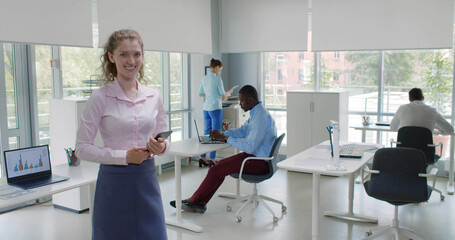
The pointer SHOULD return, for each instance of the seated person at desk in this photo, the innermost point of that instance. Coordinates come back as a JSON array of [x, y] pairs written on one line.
[[254, 138], [418, 114]]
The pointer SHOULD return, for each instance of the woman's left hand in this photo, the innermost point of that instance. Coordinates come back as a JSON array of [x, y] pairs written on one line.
[[156, 147]]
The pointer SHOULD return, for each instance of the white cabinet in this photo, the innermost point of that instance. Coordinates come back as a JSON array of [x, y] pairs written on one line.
[[64, 120], [308, 115]]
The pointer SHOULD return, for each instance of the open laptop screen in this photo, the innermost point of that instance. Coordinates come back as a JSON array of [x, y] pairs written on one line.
[[26, 163]]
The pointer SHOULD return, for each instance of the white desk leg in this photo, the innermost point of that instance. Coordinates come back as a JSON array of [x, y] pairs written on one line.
[[450, 183], [232, 195], [178, 222], [315, 210], [350, 214], [358, 180]]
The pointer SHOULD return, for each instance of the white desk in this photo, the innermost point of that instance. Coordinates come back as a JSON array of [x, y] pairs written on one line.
[[181, 149], [84, 174], [373, 127], [315, 160]]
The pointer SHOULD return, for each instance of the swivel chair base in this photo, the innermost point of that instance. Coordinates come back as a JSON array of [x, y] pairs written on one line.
[[394, 230], [255, 199]]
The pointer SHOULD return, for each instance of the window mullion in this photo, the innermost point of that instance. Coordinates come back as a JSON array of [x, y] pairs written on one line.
[[57, 81], [33, 100], [22, 96], [166, 85]]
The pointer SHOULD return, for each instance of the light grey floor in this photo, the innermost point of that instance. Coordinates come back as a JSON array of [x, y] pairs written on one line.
[[432, 220]]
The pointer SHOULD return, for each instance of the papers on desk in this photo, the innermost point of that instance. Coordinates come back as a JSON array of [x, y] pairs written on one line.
[[8, 191]]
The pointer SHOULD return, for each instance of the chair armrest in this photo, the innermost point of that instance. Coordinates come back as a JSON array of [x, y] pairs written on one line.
[[251, 158], [368, 170], [431, 175], [436, 145], [392, 141]]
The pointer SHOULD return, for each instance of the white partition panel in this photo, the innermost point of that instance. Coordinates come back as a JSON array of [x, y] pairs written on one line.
[[53, 22], [170, 25], [264, 25], [381, 24]]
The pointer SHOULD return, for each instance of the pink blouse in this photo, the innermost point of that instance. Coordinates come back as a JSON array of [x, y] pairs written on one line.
[[122, 123]]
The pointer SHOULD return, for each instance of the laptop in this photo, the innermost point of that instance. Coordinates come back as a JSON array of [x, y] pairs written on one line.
[[30, 167], [205, 139], [346, 151]]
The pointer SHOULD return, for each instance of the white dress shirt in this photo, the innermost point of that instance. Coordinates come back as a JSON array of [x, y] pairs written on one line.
[[418, 114]]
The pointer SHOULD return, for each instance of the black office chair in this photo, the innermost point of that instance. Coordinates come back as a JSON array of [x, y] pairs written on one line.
[[420, 138], [398, 177], [254, 197]]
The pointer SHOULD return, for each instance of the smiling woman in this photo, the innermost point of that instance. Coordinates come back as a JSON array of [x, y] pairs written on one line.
[[128, 115]]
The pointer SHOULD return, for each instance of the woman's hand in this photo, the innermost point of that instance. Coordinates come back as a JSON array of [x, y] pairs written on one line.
[[156, 147], [137, 155]]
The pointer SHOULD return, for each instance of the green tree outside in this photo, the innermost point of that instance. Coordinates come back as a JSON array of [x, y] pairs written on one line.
[[437, 76]]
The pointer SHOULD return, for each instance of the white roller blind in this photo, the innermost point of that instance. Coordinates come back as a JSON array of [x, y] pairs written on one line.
[[165, 25], [263, 25], [53, 22], [382, 24]]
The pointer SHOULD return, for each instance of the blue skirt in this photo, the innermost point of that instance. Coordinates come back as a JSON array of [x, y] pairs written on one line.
[[128, 203]]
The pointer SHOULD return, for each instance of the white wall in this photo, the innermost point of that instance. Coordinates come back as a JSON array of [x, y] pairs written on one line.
[[197, 70], [243, 69], [238, 69]]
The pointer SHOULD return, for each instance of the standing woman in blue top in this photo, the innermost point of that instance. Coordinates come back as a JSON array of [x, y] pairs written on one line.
[[128, 116], [212, 90]]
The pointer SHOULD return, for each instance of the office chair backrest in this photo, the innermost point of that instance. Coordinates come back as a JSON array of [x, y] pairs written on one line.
[[255, 178], [274, 153], [419, 138], [398, 181]]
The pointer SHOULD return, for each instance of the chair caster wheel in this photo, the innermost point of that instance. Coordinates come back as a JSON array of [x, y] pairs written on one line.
[[239, 219], [284, 208], [275, 219], [442, 198], [369, 233], [228, 208]]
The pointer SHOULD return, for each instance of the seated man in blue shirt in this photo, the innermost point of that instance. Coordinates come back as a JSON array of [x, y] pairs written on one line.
[[254, 138]]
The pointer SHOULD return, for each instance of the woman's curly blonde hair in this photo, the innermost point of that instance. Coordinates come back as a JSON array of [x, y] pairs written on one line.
[[108, 68]]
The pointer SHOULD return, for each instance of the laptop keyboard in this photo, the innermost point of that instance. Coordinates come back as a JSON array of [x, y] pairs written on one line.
[[38, 182], [347, 150], [351, 152], [208, 139]]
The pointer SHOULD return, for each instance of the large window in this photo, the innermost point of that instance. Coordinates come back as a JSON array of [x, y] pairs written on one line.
[[153, 69], [378, 81], [283, 72], [80, 70], [176, 95], [15, 83], [358, 73], [10, 84], [43, 90]]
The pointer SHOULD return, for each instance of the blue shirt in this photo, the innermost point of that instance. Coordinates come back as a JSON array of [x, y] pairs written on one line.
[[212, 87], [257, 135]]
